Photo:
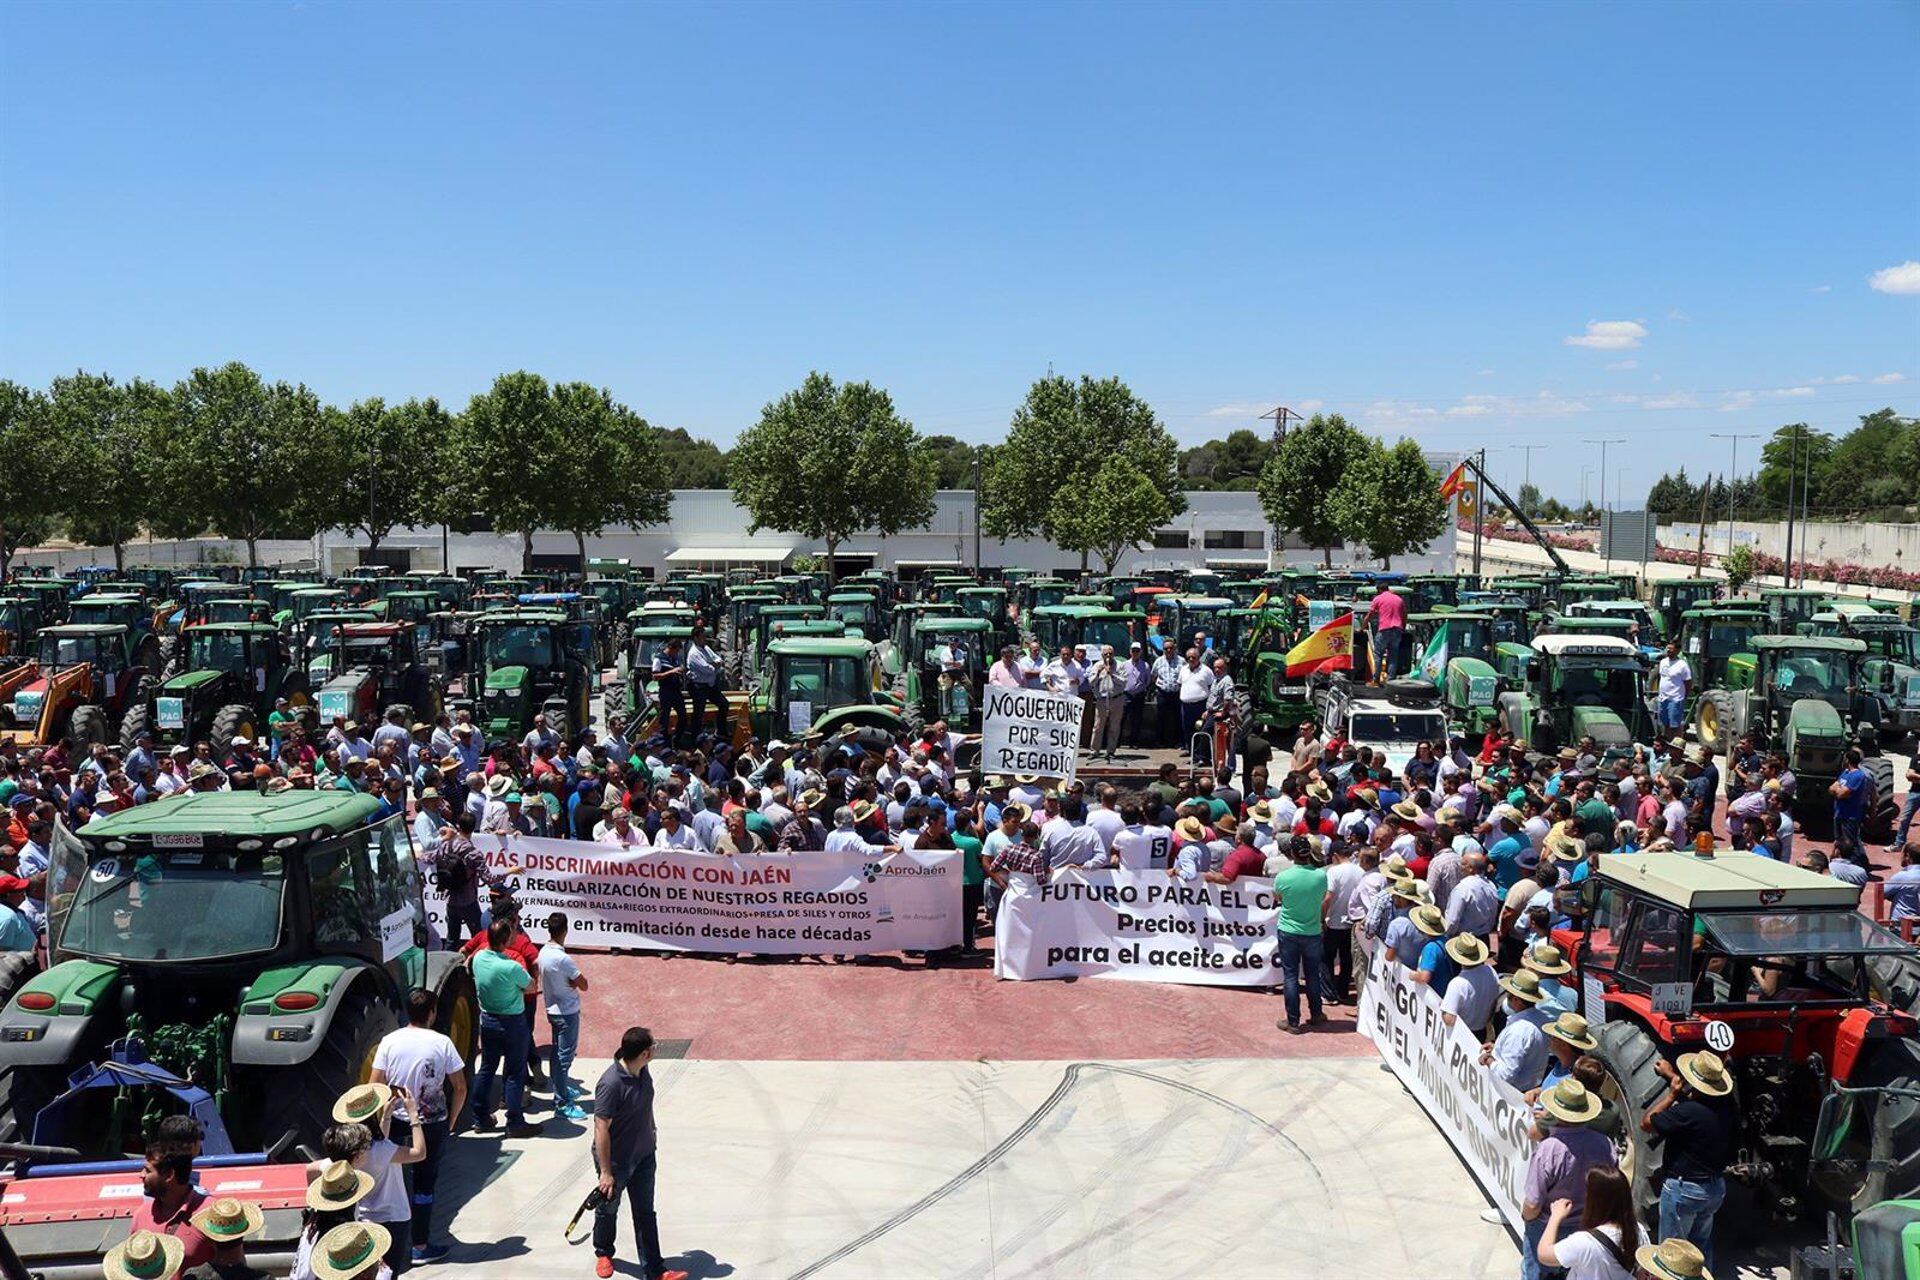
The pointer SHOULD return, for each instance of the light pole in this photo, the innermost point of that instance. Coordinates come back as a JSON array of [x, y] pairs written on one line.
[[1603, 467], [1733, 474], [1584, 473]]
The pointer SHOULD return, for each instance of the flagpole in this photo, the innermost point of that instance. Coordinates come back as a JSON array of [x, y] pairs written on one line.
[[1479, 511]]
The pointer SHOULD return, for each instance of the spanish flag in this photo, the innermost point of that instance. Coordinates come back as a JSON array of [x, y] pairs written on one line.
[[1456, 481], [1328, 649]]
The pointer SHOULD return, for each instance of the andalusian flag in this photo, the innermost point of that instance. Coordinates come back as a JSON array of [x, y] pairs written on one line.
[[1328, 649], [1433, 663], [1456, 481]]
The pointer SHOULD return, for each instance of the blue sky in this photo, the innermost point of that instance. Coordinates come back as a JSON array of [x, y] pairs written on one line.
[[1412, 213]]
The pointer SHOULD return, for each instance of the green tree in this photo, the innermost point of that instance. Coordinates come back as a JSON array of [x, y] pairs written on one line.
[[1529, 500], [1739, 566], [611, 474], [1117, 509], [1674, 495], [382, 466], [828, 461], [501, 438], [1299, 480], [1814, 451], [1388, 500], [246, 454], [26, 460], [1869, 465], [690, 463], [111, 436], [1233, 462], [1059, 439], [953, 461]]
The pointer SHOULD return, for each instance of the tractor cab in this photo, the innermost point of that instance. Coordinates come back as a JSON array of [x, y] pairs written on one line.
[[157, 579], [1512, 622], [744, 605], [412, 605], [823, 687], [195, 595], [950, 660], [309, 600], [21, 617], [1799, 693], [1040, 593], [313, 639], [1771, 968], [1531, 590], [1673, 597], [376, 667], [1394, 720], [617, 596], [1711, 635], [752, 643], [856, 610], [987, 603], [895, 650], [1184, 619], [1891, 669], [1641, 629], [51, 594], [1579, 686], [1788, 607], [530, 662], [233, 674], [1456, 652], [206, 609], [643, 642], [1569, 591], [130, 612], [1429, 592]]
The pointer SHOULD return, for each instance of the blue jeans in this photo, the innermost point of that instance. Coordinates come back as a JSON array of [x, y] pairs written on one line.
[[566, 1037], [1687, 1209], [1907, 811], [1302, 957], [502, 1036], [1387, 652], [1531, 1268], [1846, 841], [636, 1180], [1672, 712]]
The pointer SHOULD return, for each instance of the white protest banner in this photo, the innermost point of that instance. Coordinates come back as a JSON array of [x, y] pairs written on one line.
[[798, 904], [1143, 926], [1030, 731], [1483, 1117]]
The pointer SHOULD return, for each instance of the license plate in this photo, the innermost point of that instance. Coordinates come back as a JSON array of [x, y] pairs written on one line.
[[179, 840], [170, 713]]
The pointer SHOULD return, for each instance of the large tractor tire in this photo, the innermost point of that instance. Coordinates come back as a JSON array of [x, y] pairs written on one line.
[[235, 720], [1634, 1085], [301, 1097], [866, 736], [1881, 810], [559, 721], [1714, 722], [457, 1015], [169, 656], [138, 720], [88, 727], [912, 721], [1891, 1148]]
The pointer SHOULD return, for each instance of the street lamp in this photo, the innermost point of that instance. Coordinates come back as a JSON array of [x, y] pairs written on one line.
[[1603, 467], [1733, 474]]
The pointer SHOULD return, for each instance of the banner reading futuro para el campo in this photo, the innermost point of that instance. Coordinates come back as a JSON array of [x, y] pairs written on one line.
[[1144, 926], [1483, 1117], [800, 904]]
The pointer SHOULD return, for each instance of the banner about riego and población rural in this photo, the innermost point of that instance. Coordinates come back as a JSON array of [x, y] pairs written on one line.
[[1030, 731], [1144, 926], [798, 904], [1483, 1117]]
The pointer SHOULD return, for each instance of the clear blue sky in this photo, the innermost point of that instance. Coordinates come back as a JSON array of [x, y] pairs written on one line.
[[1401, 211]]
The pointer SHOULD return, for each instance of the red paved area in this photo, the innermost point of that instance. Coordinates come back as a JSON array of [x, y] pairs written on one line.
[[891, 1009]]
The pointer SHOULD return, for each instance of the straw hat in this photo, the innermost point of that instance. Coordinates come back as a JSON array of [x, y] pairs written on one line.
[[1190, 829], [362, 1104], [864, 809], [1571, 1028], [348, 1250], [1546, 959], [1467, 951], [813, 799], [1409, 810], [144, 1256], [1428, 919], [1570, 1102], [226, 1220], [1524, 983], [1706, 1072], [1394, 868], [1260, 812], [1673, 1260], [1015, 810], [339, 1186], [1405, 887], [1320, 791], [1226, 825], [498, 785]]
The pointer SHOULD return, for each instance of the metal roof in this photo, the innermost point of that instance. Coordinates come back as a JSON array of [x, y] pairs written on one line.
[[1827, 644], [240, 813], [1730, 880], [1584, 646]]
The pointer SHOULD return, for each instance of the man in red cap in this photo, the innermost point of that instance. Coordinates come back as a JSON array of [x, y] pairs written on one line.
[[16, 928]]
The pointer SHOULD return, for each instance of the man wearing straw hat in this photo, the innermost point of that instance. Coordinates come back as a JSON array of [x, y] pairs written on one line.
[[1672, 1260], [1557, 1169], [351, 1251], [1697, 1124], [1518, 1055], [1472, 990], [228, 1222], [144, 1255]]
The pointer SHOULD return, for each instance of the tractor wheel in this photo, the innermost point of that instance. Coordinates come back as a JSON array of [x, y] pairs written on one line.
[[1633, 1086], [457, 1015], [138, 720], [1895, 979], [88, 727], [235, 720], [15, 968], [560, 723], [1891, 1148], [1881, 811], [28, 1090], [301, 1097], [1713, 720], [865, 736], [912, 721], [169, 657]]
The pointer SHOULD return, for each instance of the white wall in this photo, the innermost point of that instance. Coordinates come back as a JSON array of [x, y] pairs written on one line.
[[1856, 541]]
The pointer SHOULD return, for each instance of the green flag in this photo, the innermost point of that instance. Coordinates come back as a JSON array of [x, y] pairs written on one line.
[[1433, 663]]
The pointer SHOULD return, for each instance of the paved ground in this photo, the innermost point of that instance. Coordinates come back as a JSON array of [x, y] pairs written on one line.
[[963, 1170]]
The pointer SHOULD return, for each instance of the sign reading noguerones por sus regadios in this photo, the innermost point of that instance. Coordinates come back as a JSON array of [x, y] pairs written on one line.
[[1030, 731]]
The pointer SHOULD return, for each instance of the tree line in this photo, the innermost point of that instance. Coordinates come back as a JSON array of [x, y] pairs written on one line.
[[1086, 464], [1874, 468]]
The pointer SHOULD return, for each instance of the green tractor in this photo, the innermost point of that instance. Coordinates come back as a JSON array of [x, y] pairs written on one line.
[[643, 642], [857, 610], [257, 946], [824, 688], [234, 673], [1788, 608], [1671, 598], [312, 641], [989, 603], [893, 651], [1891, 672], [1640, 627], [21, 618], [950, 660], [1711, 635], [377, 669], [527, 662], [750, 653], [1805, 697], [1467, 665], [1579, 686], [1086, 627]]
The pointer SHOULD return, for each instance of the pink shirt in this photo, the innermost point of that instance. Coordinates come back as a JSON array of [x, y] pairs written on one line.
[[1389, 610]]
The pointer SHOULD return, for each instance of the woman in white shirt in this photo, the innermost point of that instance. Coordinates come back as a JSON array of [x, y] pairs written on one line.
[[1603, 1247]]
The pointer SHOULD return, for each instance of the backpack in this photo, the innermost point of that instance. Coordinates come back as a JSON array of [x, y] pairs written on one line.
[[450, 868]]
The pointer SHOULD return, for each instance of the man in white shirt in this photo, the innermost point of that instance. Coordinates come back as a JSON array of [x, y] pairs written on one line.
[[1166, 698], [1071, 842], [561, 983], [1196, 682], [1671, 678], [846, 838], [1140, 845], [428, 1066], [675, 834], [1104, 817], [703, 681], [1064, 674], [1030, 665]]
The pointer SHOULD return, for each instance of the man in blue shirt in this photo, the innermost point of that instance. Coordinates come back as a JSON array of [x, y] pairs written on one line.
[[16, 930], [1505, 852], [1851, 792], [1902, 888]]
